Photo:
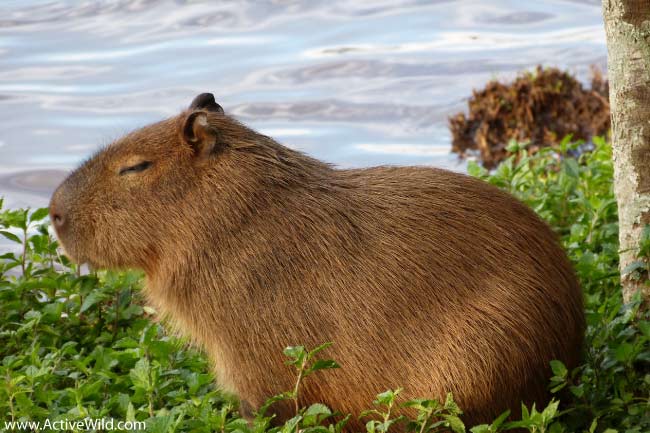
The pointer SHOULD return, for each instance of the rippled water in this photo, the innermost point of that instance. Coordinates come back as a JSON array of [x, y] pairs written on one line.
[[355, 83]]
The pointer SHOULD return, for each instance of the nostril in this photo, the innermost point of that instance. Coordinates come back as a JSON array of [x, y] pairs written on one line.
[[58, 212], [56, 216]]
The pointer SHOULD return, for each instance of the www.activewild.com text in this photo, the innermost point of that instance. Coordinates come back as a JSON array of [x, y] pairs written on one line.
[[101, 424]]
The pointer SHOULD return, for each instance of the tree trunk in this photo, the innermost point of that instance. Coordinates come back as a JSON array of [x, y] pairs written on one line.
[[627, 23]]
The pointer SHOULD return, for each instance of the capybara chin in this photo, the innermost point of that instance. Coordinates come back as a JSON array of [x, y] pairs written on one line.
[[424, 279]]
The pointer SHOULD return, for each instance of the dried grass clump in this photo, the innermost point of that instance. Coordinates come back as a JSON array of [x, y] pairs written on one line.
[[539, 107]]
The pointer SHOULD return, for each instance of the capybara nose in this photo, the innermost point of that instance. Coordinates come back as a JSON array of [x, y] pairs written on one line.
[[56, 216]]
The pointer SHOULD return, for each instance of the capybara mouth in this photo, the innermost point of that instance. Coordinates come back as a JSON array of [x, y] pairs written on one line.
[[70, 253]]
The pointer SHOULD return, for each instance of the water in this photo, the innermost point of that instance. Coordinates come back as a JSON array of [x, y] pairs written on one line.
[[351, 82]]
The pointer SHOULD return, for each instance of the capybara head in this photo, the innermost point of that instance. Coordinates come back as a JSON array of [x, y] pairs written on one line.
[[112, 211]]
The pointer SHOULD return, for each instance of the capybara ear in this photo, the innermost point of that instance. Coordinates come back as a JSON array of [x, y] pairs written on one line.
[[198, 133], [205, 101]]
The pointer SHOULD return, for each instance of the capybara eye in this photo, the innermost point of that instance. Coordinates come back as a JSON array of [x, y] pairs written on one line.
[[137, 168]]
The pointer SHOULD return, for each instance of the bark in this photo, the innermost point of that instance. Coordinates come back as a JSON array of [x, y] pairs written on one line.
[[627, 24]]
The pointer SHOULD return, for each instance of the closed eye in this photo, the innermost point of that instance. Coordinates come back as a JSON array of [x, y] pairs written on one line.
[[135, 168]]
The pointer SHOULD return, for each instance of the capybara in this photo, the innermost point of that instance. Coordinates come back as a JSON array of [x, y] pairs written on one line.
[[422, 278]]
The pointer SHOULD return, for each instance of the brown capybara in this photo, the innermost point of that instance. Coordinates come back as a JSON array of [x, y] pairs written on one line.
[[424, 279]]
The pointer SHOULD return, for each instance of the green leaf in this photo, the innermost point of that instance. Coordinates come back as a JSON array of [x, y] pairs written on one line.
[[340, 425], [140, 374], [550, 411], [321, 364], [644, 327], [272, 400], [10, 236], [125, 343], [450, 405], [317, 409], [422, 405], [558, 368], [318, 349], [565, 142], [454, 423], [161, 350], [475, 170], [91, 389], [297, 355], [578, 390], [92, 299], [52, 311], [514, 146], [387, 397], [557, 387], [315, 429], [499, 420], [130, 412], [290, 425], [33, 315], [571, 168], [315, 414], [39, 214], [624, 352], [160, 424]]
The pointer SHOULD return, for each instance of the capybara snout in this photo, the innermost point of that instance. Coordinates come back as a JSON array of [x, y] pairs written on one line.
[[57, 215], [424, 279]]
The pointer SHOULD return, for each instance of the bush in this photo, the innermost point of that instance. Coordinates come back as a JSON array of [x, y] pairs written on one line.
[[78, 346], [575, 196]]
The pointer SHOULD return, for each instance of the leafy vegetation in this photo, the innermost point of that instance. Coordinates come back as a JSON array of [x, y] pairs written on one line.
[[76, 346], [574, 194]]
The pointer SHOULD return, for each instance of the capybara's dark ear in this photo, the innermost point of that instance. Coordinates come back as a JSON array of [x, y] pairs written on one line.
[[198, 133], [205, 101]]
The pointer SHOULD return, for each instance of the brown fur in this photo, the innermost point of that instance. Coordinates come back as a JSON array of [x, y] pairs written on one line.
[[424, 279]]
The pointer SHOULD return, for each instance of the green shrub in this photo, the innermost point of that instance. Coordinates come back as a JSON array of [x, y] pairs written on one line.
[[575, 196], [74, 346]]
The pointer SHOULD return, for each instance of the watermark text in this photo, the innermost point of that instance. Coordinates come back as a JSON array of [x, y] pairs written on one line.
[[101, 424]]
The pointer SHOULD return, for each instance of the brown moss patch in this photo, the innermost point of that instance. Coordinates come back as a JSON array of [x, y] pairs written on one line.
[[539, 107]]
